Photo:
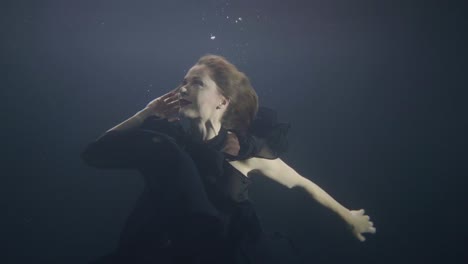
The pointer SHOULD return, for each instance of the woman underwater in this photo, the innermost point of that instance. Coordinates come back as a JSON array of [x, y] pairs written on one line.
[[194, 207]]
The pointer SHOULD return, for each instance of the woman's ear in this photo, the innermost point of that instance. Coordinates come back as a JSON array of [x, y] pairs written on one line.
[[226, 101]]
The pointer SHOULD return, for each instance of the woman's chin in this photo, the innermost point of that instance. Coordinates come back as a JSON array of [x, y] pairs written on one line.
[[186, 113]]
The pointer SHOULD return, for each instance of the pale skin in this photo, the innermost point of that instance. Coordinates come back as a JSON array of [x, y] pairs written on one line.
[[204, 113]]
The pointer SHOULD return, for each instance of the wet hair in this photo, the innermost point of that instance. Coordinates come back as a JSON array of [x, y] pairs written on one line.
[[234, 85]]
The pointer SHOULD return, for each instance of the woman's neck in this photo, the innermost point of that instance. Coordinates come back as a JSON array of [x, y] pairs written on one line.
[[204, 130]]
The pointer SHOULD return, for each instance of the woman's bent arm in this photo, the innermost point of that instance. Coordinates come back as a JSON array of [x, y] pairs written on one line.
[[133, 122], [126, 147]]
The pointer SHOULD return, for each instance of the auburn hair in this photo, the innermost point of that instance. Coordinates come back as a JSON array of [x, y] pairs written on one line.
[[234, 85]]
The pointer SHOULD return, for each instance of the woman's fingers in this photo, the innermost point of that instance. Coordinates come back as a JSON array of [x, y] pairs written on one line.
[[166, 104], [173, 103], [170, 104], [172, 96], [169, 94], [361, 224], [361, 237]]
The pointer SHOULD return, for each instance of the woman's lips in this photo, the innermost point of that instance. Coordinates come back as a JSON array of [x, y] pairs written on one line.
[[184, 102]]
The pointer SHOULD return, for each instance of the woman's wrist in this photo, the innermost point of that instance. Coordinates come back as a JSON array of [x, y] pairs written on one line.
[[143, 114], [345, 214], [133, 122], [348, 218]]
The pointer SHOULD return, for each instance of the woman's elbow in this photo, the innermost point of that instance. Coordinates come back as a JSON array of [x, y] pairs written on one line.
[[298, 181], [97, 157], [90, 157]]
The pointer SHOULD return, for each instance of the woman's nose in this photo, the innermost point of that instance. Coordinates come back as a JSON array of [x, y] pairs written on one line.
[[183, 91]]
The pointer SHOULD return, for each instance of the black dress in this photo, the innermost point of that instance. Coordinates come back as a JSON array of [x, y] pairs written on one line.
[[194, 207]]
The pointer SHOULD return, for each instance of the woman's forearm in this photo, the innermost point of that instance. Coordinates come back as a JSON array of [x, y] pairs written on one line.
[[134, 121], [325, 199]]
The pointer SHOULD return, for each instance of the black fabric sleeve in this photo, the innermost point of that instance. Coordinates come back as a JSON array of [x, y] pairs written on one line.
[[252, 146], [261, 149], [267, 138], [131, 149]]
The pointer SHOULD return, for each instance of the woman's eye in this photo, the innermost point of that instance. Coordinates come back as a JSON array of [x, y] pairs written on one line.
[[196, 83]]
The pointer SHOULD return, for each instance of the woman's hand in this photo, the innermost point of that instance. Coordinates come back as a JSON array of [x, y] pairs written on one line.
[[359, 223], [166, 106]]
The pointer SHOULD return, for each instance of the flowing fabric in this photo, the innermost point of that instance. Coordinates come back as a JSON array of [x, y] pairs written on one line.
[[195, 206]]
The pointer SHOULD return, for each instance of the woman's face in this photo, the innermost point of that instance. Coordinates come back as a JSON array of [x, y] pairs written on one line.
[[201, 92]]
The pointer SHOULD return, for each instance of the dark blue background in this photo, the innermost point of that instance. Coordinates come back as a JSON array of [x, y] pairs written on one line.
[[372, 90]]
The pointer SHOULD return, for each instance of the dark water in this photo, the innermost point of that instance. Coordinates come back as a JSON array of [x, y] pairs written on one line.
[[372, 90]]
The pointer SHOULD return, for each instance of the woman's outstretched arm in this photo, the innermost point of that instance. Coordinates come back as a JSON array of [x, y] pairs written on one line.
[[280, 172]]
